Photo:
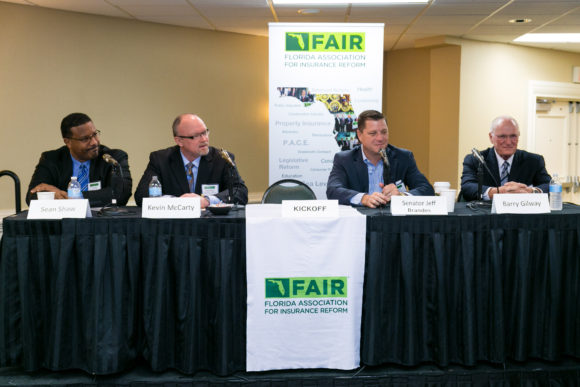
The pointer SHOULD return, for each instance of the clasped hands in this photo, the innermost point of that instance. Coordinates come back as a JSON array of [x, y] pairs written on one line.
[[511, 187], [377, 199], [204, 201]]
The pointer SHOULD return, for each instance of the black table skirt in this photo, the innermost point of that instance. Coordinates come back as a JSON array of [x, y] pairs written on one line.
[[97, 294], [463, 289]]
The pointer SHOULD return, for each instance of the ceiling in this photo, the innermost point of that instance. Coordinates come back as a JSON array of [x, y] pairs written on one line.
[[406, 25]]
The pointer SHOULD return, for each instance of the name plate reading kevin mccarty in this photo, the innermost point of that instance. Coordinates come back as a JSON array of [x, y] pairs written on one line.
[[310, 208], [418, 205], [171, 208], [59, 209], [520, 204]]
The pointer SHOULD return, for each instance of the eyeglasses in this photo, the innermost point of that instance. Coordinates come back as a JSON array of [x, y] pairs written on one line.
[[205, 133], [382, 133], [86, 139], [504, 137]]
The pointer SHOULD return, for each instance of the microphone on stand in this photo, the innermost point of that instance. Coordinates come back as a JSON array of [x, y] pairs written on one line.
[[113, 209], [482, 164], [386, 167], [226, 156], [386, 170]]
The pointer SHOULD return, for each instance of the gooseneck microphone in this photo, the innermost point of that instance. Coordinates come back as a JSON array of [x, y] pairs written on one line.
[[109, 159], [386, 167], [226, 156], [481, 160]]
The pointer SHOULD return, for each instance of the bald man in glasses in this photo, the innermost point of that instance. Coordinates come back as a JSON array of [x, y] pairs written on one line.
[[513, 170], [192, 167]]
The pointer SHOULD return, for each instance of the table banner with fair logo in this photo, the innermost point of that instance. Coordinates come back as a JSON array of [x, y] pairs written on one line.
[[59, 209], [305, 283], [171, 208], [520, 204], [322, 76]]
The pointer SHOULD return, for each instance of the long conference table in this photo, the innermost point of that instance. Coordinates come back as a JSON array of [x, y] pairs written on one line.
[[102, 293]]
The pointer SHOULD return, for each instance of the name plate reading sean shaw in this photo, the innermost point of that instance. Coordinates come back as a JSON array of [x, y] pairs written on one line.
[[418, 205], [310, 208], [59, 209], [171, 208], [520, 204]]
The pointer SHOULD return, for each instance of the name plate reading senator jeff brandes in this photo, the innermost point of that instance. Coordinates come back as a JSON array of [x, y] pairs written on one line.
[[520, 204], [418, 205], [59, 209], [171, 208], [310, 208]]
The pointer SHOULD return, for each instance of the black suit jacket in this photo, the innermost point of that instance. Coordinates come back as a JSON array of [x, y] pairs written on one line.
[[55, 167], [527, 168], [167, 165], [349, 175]]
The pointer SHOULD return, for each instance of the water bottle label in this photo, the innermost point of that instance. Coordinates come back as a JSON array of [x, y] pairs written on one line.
[[74, 193], [555, 188], [154, 191]]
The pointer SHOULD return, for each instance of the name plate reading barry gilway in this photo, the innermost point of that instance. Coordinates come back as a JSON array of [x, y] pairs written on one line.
[[310, 208], [418, 205], [59, 209], [520, 204], [171, 208]]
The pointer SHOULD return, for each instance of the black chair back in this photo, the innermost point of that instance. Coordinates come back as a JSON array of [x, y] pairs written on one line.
[[288, 189]]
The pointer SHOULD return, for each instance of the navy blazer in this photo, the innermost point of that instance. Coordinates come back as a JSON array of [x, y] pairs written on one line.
[[167, 165], [527, 168], [55, 167], [349, 175]]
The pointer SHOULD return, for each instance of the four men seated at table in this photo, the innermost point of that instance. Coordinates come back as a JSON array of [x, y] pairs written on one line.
[[193, 167], [513, 170], [368, 175], [360, 176], [81, 156]]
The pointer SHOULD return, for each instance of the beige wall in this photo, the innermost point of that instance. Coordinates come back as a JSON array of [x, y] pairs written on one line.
[[421, 96], [406, 101], [132, 78]]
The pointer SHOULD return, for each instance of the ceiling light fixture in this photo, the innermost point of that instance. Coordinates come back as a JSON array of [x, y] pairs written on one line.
[[340, 2], [549, 38], [520, 21], [308, 11]]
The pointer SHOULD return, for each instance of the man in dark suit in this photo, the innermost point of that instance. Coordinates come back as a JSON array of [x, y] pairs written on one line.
[[357, 175], [192, 167], [513, 170], [81, 156]]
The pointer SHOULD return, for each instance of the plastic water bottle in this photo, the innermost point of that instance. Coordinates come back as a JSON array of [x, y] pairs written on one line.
[[154, 188], [74, 189], [555, 194]]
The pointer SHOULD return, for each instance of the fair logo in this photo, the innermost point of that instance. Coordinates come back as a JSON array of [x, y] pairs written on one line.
[[306, 287], [325, 41]]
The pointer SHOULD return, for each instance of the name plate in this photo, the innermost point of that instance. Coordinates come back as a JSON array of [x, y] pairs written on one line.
[[520, 204], [59, 209], [171, 208], [418, 205], [310, 208]]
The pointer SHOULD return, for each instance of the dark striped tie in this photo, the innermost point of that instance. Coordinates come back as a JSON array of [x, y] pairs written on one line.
[[83, 177], [190, 176], [504, 173]]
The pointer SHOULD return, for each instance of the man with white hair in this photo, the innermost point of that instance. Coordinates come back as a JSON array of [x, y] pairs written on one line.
[[513, 170]]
